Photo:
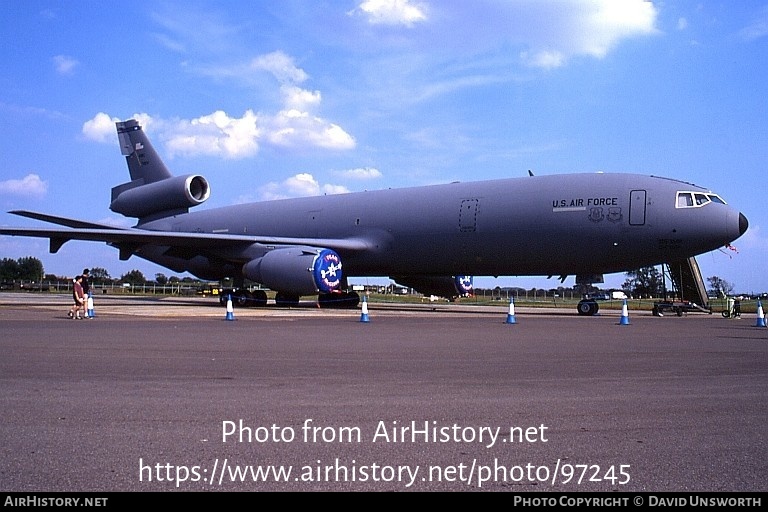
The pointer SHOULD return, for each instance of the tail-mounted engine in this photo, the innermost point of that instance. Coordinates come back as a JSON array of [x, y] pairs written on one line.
[[297, 271], [136, 199], [153, 191]]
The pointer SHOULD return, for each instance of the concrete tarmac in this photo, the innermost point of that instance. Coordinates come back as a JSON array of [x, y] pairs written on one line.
[[156, 395]]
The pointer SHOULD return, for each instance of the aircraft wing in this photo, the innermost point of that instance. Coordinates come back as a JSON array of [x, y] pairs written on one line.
[[62, 221], [203, 241]]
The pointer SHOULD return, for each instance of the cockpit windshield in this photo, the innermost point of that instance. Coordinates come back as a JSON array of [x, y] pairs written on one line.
[[697, 199]]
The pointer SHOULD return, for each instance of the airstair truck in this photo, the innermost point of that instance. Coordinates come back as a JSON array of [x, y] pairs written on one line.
[[688, 289]]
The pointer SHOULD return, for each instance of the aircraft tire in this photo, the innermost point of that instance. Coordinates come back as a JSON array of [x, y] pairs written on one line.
[[259, 299], [285, 300], [226, 295], [345, 300], [241, 298], [588, 308]]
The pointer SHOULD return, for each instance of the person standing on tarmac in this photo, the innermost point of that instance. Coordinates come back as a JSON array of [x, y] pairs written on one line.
[[86, 291], [86, 283], [79, 298]]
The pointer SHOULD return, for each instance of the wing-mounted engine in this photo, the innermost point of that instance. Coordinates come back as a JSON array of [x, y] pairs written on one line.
[[443, 286], [464, 285], [297, 270], [171, 195]]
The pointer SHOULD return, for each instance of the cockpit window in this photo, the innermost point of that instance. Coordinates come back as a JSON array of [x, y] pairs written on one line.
[[696, 199], [684, 199], [716, 198]]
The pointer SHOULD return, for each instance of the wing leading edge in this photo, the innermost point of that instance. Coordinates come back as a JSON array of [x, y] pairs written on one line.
[[132, 237]]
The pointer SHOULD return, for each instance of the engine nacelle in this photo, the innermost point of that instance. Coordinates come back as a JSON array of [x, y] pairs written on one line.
[[296, 271], [464, 285], [442, 286], [134, 199]]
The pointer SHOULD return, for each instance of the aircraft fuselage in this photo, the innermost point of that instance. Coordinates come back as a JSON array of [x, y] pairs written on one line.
[[541, 225]]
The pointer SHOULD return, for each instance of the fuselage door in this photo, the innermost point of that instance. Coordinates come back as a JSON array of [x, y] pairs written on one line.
[[468, 215], [637, 207]]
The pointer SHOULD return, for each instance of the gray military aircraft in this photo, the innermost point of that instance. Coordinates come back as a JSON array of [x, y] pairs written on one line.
[[431, 238]]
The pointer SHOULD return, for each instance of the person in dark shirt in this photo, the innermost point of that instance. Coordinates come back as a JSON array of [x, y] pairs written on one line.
[[87, 292], [86, 284]]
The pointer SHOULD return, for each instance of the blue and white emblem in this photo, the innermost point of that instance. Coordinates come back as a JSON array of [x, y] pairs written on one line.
[[464, 284], [327, 270]]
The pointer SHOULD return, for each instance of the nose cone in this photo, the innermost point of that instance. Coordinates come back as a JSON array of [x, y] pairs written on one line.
[[743, 224], [735, 226]]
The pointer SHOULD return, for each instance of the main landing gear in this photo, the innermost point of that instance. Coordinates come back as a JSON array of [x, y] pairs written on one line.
[[588, 307], [244, 298], [258, 298], [342, 300]]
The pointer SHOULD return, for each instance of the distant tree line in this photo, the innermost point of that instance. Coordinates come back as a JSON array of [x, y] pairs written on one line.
[[22, 269], [643, 282], [649, 282], [31, 269]]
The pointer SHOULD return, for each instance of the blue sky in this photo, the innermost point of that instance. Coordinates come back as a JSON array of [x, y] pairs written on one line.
[[299, 97]]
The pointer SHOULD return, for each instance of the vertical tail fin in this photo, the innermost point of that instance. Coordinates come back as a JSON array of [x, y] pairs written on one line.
[[143, 162], [153, 191]]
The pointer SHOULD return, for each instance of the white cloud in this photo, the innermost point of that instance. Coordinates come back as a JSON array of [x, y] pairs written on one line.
[[300, 185], [218, 134], [335, 189], [281, 66], [195, 30], [268, 192], [170, 43], [29, 186], [546, 34], [758, 28], [64, 64], [298, 98], [293, 128], [682, 24], [360, 173], [31, 111], [543, 59], [215, 134], [465, 47], [391, 12], [612, 21], [294, 125], [100, 128], [556, 31]]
